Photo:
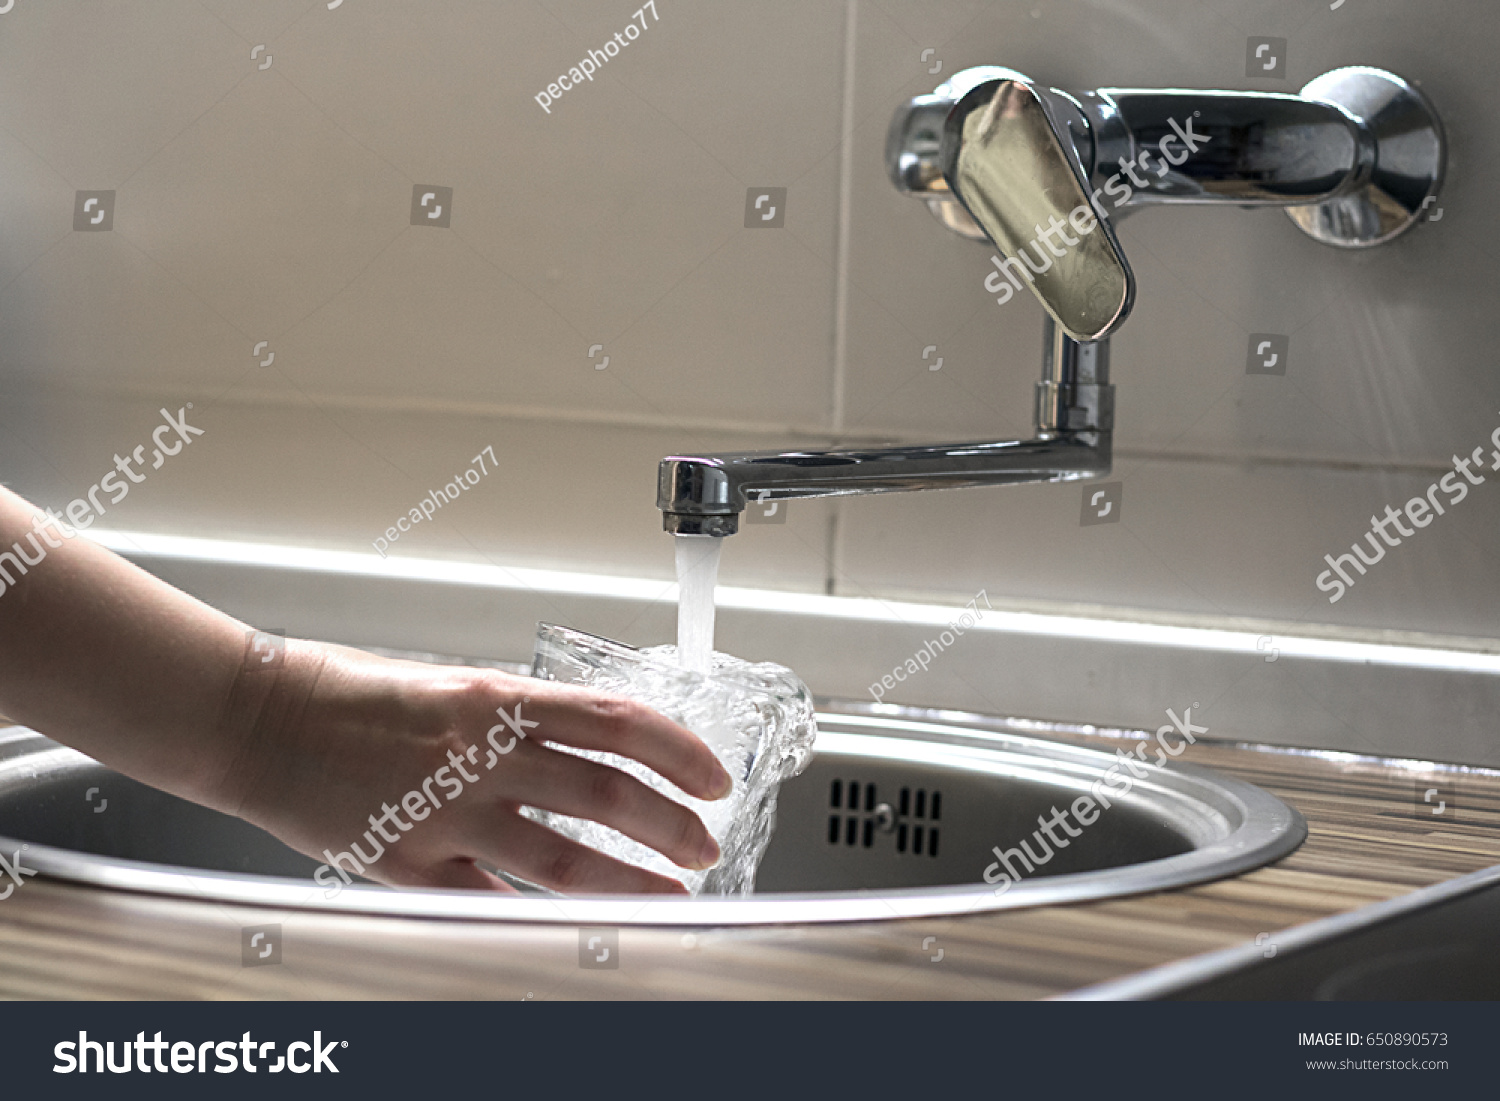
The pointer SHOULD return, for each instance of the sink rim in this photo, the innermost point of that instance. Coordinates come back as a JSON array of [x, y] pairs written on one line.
[[1260, 829]]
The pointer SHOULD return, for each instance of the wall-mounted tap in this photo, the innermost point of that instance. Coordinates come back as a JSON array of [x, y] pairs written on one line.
[[1039, 173]]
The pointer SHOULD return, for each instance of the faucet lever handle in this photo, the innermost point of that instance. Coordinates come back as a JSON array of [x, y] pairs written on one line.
[[1013, 168]]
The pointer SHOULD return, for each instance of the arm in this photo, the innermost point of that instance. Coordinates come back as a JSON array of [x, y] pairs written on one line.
[[101, 656]]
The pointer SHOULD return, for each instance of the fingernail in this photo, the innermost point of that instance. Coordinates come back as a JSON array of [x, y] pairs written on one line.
[[708, 856], [723, 783]]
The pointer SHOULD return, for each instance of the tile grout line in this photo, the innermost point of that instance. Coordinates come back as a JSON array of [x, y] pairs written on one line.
[[841, 262], [838, 379], [812, 432]]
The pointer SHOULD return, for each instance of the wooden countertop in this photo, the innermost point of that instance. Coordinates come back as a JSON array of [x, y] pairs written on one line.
[[1366, 843]]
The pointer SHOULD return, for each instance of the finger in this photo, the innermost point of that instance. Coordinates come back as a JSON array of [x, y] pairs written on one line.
[[581, 788], [587, 719], [538, 855]]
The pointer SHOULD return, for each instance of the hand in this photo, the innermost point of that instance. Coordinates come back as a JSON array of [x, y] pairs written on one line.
[[348, 749], [325, 746]]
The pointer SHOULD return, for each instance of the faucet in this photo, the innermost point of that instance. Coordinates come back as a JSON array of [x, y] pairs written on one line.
[[1354, 159]]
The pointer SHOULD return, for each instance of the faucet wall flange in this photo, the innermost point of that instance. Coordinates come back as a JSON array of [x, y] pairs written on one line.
[[1407, 159]]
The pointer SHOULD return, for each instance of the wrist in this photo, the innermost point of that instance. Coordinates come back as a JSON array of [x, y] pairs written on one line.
[[270, 692]]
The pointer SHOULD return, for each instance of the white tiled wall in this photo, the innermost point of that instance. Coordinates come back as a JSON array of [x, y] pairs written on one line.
[[273, 204]]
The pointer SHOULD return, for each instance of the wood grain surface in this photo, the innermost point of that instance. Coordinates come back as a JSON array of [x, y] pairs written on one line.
[[1367, 842]]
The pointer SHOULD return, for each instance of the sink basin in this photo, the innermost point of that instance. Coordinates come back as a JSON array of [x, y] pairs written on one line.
[[896, 816]]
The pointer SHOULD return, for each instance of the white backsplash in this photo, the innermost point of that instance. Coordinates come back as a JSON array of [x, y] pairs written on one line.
[[272, 203]]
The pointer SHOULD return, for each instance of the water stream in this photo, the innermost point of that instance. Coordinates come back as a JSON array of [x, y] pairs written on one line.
[[697, 575]]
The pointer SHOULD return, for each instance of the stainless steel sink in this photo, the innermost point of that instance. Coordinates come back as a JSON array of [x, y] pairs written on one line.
[[896, 816]]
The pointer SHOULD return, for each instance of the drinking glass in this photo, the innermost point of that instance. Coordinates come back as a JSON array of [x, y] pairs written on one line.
[[757, 719]]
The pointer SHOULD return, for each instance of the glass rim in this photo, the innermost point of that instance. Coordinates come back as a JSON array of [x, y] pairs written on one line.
[[638, 656]]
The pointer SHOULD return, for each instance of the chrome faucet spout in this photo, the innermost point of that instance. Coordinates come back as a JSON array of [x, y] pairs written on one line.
[[1074, 413], [704, 495]]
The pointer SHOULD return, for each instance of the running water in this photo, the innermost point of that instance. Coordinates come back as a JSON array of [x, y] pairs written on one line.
[[697, 574]]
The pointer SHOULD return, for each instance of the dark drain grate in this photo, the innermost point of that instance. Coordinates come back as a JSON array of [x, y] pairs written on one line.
[[847, 828], [857, 814]]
